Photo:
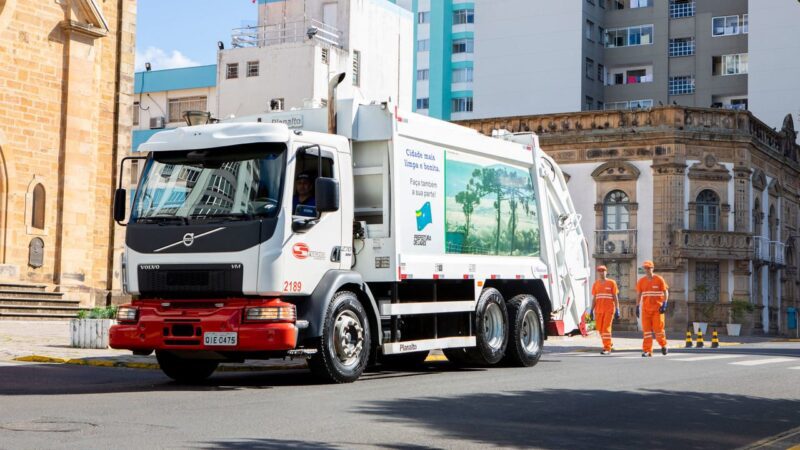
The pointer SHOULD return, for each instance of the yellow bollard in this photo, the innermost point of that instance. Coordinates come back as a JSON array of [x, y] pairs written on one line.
[[699, 339], [714, 340], [688, 339]]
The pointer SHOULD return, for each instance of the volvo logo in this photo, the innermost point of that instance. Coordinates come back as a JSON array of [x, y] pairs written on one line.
[[188, 239]]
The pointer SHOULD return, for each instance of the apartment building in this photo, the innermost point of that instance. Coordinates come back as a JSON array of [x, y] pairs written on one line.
[[517, 58]]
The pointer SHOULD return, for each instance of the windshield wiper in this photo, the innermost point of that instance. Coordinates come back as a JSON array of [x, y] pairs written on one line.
[[163, 220], [225, 217]]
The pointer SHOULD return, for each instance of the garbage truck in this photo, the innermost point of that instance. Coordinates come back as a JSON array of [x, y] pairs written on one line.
[[411, 234]]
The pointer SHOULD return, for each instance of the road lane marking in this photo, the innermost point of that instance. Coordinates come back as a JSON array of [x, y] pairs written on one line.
[[706, 358], [758, 362]]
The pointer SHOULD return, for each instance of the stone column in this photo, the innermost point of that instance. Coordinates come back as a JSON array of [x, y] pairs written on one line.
[[669, 178], [741, 199]]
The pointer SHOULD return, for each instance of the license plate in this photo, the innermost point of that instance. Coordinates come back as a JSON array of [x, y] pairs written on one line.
[[226, 339]]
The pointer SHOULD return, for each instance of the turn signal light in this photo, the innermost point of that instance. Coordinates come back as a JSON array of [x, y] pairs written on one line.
[[285, 313], [127, 314]]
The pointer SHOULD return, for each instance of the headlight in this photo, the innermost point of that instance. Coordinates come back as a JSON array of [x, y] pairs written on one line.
[[127, 314], [285, 313]]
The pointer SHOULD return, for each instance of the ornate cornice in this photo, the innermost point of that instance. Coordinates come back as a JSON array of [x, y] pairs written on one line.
[[616, 171]]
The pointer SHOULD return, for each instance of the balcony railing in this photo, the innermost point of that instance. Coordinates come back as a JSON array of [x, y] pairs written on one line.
[[286, 33], [713, 244], [615, 243], [777, 253], [678, 10], [761, 249]]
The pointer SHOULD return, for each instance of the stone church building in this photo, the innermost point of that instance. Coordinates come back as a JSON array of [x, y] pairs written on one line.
[[66, 83], [710, 195]]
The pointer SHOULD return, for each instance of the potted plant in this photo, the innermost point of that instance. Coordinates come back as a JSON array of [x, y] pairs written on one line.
[[90, 328], [739, 308]]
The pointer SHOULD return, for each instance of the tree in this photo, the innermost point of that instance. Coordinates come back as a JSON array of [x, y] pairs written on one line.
[[488, 182], [468, 199]]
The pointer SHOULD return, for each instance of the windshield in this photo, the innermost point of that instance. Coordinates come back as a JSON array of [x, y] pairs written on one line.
[[238, 182]]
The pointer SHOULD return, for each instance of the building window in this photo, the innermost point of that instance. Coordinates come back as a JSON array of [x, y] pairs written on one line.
[[729, 64], [356, 68], [744, 24], [463, 16], [463, 104], [37, 216], [588, 103], [728, 25], [463, 46], [641, 3], [326, 56], [177, 106], [588, 29], [706, 282], [136, 113], [232, 71], [588, 66], [738, 103], [422, 74], [463, 75], [621, 273], [424, 17], [252, 68], [707, 205], [600, 105], [626, 37], [633, 104], [681, 85], [616, 211], [681, 8], [600, 33], [681, 46], [423, 103], [601, 74], [423, 45]]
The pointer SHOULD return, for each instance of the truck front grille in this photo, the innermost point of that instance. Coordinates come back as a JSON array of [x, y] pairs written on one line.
[[190, 280]]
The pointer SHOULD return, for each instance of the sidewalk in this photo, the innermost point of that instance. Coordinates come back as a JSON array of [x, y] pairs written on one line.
[[48, 341]]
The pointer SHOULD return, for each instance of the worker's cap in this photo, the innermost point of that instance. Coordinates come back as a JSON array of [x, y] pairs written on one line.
[[304, 176], [648, 265], [602, 269]]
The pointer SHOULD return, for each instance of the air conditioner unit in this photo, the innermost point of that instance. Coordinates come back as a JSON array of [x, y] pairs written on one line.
[[156, 123]]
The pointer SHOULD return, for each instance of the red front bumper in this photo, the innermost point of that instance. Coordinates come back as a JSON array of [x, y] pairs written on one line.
[[183, 328]]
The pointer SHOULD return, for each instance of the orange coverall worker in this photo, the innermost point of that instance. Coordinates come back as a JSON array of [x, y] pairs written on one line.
[[604, 308], [653, 292]]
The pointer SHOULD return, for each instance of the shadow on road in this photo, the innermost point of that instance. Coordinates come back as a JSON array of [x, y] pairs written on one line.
[[559, 418], [275, 444]]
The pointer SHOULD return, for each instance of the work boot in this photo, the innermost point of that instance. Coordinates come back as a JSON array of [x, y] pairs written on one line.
[[664, 351], [605, 352], [646, 354]]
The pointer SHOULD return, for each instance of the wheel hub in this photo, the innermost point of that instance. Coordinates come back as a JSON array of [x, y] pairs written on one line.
[[348, 338]]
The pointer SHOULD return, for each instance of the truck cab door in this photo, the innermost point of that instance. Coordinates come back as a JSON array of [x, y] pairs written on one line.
[[314, 239]]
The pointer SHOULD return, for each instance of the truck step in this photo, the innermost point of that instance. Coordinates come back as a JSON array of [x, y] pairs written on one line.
[[396, 309], [392, 348]]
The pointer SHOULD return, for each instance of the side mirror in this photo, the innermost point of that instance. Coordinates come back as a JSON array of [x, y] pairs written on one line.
[[119, 204], [326, 191]]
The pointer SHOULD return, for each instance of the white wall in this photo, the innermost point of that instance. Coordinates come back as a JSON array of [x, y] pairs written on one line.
[[528, 59], [154, 104], [774, 64]]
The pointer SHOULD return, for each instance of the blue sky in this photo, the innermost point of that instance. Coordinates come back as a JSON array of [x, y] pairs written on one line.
[[182, 33]]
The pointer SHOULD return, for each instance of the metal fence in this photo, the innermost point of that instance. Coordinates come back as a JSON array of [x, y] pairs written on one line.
[[286, 33]]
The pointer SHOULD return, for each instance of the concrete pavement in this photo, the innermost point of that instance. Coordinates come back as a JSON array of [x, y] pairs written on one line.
[[48, 342]]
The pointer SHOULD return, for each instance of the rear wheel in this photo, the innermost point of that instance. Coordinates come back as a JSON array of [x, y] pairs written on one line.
[[182, 370], [344, 347], [525, 336], [491, 329]]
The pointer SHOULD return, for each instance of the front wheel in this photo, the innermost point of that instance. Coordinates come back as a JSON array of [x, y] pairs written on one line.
[[344, 347], [526, 336], [188, 371]]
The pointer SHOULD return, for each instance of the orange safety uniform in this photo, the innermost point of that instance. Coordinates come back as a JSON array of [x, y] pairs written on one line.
[[653, 295], [604, 308]]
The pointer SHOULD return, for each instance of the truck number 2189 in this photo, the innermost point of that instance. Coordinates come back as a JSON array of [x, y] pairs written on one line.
[[292, 286]]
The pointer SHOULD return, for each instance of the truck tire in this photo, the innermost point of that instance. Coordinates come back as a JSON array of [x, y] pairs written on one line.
[[404, 360], [525, 335], [344, 347], [187, 371], [491, 329]]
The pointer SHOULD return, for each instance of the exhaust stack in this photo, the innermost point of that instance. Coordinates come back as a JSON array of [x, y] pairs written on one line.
[[332, 85]]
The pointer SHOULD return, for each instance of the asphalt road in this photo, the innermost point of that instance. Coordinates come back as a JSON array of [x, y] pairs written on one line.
[[721, 398]]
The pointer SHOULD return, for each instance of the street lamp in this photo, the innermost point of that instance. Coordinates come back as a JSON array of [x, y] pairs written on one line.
[[193, 118]]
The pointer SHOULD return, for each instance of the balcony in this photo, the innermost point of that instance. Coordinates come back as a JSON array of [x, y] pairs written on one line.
[[615, 244], [681, 9], [761, 249], [713, 244], [777, 253], [286, 33]]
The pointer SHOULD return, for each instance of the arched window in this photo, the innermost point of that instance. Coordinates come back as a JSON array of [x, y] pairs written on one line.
[[37, 216], [707, 211], [616, 211]]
